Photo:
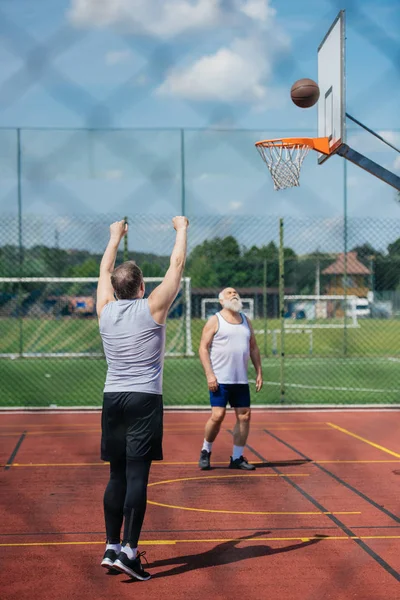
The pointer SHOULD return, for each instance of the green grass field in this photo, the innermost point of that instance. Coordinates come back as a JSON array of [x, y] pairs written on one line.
[[361, 366]]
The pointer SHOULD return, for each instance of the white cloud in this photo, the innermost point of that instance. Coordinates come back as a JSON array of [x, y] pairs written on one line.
[[225, 75], [353, 182], [235, 205], [393, 137], [161, 18], [115, 57], [258, 9], [396, 164], [366, 142], [142, 80], [113, 174], [167, 18], [238, 72]]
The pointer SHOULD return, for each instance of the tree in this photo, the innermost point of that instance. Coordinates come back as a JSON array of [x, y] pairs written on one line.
[[202, 273], [394, 249], [89, 268], [222, 256], [221, 262], [151, 269]]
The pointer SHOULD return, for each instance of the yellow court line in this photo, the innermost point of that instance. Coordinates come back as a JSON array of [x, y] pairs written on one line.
[[215, 540], [103, 463], [358, 437], [182, 425], [62, 431], [88, 464], [239, 512], [183, 463], [253, 512], [203, 477], [166, 430], [323, 462], [155, 542]]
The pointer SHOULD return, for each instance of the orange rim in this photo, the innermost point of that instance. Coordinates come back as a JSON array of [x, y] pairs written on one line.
[[318, 144]]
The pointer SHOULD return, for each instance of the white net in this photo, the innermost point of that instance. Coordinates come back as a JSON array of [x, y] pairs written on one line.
[[283, 162], [56, 317]]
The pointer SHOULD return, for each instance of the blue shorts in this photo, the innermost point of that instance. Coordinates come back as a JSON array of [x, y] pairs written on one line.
[[237, 394]]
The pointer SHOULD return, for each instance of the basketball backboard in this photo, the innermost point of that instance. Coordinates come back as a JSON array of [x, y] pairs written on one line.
[[331, 82], [284, 156]]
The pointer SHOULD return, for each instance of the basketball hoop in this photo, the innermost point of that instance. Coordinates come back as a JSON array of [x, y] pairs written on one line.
[[284, 157]]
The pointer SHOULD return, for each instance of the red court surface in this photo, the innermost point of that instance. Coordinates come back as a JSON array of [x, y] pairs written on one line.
[[318, 519]]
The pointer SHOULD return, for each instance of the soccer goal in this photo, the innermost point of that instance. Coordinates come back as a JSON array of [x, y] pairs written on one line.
[[320, 311], [210, 306], [56, 317]]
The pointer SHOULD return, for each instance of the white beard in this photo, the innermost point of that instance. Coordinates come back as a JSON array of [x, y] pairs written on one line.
[[235, 305]]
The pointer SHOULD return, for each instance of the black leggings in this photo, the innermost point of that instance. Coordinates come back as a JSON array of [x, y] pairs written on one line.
[[125, 498]]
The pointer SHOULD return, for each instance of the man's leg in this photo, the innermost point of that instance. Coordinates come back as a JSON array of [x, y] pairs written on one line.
[[114, 499], [212, 428], [241, 429], [242, 426], [137, 477], [113, 451], [214, 423]]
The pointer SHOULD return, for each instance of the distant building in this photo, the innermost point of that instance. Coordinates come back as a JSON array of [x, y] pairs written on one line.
[[83, 305], [356, 276]]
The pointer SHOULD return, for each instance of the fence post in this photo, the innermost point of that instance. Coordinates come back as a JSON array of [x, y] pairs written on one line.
[[265, 308], [20, 245], [345, 256], [282, 308], [183, 189], [126, 256]]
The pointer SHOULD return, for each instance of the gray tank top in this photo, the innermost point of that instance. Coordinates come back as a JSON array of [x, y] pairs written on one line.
[[134, 345]]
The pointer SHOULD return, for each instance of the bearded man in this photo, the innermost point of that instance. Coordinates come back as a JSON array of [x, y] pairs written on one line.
[[227, 343]]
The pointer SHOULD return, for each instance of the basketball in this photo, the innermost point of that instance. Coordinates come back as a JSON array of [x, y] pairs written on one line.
[[304, 93]]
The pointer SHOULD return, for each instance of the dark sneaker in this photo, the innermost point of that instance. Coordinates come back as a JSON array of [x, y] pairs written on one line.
[[241, 463], [204, 461], [131, 566], [109, 558]]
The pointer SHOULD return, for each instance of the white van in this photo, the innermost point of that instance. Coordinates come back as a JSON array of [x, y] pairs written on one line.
[[358, 306]]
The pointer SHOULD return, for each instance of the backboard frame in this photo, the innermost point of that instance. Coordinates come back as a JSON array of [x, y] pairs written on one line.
[[332, 83]]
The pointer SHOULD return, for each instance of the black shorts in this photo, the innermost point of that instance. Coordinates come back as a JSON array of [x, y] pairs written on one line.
[[132, 426]]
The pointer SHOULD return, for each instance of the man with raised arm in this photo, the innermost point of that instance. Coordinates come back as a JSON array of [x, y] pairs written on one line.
[[227, 343], [132, 329]]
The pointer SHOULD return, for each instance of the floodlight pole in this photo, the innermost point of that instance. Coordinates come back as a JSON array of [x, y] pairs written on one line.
[[369, 165]]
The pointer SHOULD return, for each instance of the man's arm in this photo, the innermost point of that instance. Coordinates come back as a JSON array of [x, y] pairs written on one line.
[[105, 292], [163, 296], [255, 357], [209, 330]]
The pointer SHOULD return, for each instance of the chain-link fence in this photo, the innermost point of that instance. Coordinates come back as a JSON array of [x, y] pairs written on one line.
[[332, 337], [60, 189]]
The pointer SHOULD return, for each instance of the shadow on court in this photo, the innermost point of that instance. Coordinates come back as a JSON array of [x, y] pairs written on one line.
[[223, 554], [265, 465]]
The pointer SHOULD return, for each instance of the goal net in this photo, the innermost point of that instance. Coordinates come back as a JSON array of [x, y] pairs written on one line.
[[56, 317], [210, 306], [320, 311]]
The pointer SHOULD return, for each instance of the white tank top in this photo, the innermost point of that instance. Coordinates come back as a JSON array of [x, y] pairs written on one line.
[[230, 351]]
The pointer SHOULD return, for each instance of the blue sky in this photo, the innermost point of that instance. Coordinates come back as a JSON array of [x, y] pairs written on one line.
[[187, 64]]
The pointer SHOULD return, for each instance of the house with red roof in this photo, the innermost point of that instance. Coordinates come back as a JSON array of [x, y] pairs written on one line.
[[352, 272]]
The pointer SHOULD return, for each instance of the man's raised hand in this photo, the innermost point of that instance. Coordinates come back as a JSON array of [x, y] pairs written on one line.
[[180, 223], [118, 230]]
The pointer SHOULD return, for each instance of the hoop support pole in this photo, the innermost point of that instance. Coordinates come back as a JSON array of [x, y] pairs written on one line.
[[369, 165]]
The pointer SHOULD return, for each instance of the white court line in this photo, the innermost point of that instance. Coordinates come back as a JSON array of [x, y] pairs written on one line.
[[324, 360], [325, 387], [287, 408]]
